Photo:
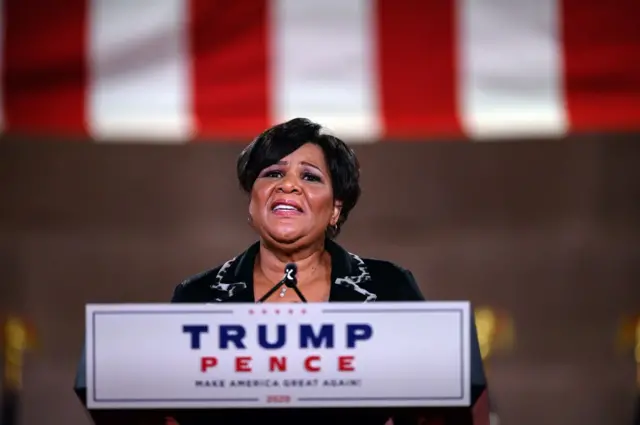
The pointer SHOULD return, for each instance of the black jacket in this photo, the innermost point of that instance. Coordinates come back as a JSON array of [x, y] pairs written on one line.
[[354, 279]]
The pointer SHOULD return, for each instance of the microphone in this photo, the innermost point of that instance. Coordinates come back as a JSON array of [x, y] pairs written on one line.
[[290, 275], [290, 280]]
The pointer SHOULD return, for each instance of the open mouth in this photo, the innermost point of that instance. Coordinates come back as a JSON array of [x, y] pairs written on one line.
[[286, 207]]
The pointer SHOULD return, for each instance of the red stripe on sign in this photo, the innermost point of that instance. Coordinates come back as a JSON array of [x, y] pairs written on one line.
[[44, 66], [418, 68], [602, 64], [229, 43]]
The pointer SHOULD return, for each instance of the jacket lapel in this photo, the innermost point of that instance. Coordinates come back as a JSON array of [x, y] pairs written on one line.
[[234, 280], [349, 275]]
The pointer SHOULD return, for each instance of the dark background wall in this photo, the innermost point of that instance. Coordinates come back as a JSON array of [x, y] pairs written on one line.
[[548, 231]]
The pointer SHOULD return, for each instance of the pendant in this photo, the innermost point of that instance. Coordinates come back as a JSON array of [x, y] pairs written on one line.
[[284, 289]]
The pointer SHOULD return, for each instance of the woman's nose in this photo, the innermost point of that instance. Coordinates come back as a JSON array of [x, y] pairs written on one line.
[[289, 184]]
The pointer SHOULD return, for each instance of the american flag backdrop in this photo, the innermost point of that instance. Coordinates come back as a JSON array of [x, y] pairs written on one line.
[[174, 71]]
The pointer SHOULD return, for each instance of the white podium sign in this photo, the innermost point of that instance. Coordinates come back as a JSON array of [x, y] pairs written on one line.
[[207, 356]]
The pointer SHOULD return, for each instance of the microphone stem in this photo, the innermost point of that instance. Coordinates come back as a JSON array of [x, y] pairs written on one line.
[[302, 298], [277, 286], [271, 292]]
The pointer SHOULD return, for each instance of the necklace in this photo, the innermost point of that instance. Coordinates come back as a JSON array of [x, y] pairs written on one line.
[[283, 291]]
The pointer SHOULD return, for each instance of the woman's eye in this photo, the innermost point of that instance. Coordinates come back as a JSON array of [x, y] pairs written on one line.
[[273, 174], [311, 177]]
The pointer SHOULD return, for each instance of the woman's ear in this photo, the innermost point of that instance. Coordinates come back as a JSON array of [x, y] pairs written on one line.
[[335, 214], [250, 213]]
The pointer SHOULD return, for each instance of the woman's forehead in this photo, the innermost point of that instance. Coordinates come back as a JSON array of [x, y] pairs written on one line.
[[307, 154]]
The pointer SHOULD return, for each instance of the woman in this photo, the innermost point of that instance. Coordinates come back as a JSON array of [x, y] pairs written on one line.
[[302, 186]]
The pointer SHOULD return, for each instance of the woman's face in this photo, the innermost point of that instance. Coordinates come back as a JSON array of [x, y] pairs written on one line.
[[292, 200]]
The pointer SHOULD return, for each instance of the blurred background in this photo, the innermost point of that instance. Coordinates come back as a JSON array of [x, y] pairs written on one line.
[[499, 149]]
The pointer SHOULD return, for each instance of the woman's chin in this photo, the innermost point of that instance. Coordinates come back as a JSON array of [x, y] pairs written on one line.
[[286, 236]]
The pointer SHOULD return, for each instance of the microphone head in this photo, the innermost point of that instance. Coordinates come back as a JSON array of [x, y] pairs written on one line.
[[290, 271], [291, 266]]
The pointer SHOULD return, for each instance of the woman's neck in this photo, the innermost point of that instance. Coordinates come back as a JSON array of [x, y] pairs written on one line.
[[309, 261]]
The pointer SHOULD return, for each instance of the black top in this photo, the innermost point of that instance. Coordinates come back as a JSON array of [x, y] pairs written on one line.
[[354, 279]]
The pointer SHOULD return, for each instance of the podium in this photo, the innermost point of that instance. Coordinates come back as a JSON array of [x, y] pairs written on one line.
[[311, 363]]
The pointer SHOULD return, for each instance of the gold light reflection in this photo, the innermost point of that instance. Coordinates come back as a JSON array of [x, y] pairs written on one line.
[[495, 331], [637, 347], [636, 351], [629, 338], [16, 341]]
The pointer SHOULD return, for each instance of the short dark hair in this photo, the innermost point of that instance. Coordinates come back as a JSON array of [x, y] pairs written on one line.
[[281, 140]]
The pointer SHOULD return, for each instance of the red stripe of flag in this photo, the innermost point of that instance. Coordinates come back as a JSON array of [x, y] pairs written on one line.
[[602, 64], [44, 66], [418, 68], [229, 47]]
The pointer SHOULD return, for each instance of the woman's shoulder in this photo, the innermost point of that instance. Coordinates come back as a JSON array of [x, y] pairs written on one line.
[[385, 267], [196, 288], [393, 281], [225, 282], [369, 279]]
